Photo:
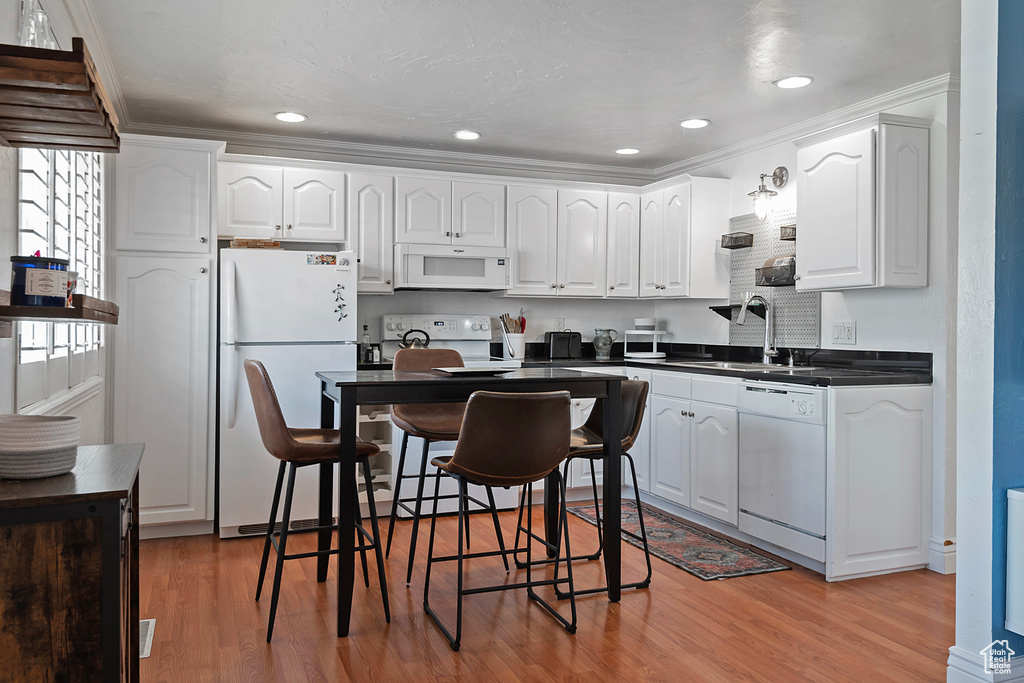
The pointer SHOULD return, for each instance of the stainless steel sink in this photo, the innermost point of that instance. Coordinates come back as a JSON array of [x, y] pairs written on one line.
[[740, 367]]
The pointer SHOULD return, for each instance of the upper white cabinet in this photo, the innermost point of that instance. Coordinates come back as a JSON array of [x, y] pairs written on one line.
[[680, 229], [370, 205], [532, 239], [557, 241], [623, 245], [283, 203], [863, 205], [438, 211], [162, 192]]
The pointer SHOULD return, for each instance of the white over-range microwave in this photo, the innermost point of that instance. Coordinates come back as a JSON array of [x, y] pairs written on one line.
[[433, 266]]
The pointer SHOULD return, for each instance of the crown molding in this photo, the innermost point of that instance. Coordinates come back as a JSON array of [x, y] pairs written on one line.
[[906, 95], [85, 24], [403, 157]]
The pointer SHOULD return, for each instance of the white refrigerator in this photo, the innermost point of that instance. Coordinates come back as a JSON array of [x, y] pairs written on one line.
[[294, 311]]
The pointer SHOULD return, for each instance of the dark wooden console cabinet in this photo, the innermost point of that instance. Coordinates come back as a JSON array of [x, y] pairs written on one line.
[[69, 576]]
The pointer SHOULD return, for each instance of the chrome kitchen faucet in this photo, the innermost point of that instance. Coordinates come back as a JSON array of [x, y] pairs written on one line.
[[769, 326]]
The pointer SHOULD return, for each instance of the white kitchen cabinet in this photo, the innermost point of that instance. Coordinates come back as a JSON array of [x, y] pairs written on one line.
[[281, 203], [532, 239], [370, 205], [670, 448], [440, 211], [863, 191], [162, 189], [623, 245], [478, 214], [714, 461], [163, 381], [879, 479], [680, 232], [568, 260]]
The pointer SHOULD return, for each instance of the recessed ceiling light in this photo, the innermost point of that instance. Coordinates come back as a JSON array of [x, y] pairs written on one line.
[[694, 123], [290, 117], [793, 82], [466, 135], [627, 150]]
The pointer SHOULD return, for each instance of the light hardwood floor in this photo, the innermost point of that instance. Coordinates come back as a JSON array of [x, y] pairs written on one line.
[[783, 626]]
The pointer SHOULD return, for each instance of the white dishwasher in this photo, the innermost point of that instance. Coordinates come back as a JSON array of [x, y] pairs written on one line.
[[782, 438]]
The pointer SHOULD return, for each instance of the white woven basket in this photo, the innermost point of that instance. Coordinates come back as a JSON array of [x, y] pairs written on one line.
[[36, 446]]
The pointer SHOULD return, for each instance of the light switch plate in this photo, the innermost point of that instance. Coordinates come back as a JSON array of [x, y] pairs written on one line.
[[844, 332]]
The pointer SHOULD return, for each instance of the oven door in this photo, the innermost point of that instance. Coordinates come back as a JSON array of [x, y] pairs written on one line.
[[422, 266]]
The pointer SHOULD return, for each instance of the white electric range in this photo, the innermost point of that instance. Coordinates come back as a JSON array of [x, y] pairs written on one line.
[[470, 335]]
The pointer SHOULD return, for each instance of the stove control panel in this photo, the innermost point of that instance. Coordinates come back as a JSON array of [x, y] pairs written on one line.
[[443, 326]]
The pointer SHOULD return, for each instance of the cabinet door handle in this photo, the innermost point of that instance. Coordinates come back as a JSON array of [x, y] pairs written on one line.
[[202, 240], [202, 270]]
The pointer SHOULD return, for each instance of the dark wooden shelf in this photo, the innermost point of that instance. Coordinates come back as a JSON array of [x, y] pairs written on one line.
[[54, 99], [726, 311], [87, 309]]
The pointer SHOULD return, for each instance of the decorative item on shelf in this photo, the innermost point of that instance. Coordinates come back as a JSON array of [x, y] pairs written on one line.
[[37, 446], [645, 323], [646, 337], [787, 233], [39, 281], [763, 196], [778, 271], [603, 339], [737, 240]]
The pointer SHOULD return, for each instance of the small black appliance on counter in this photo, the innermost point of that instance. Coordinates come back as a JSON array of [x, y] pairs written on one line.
[[563, 345]]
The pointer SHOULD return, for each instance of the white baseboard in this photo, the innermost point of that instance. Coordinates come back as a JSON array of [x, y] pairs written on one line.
[[964, 666], [180, 529], [941, 557]]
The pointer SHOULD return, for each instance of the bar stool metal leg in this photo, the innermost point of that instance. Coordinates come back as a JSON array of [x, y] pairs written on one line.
[[285, 521], [368, 480], [397, 492], [270, 528]]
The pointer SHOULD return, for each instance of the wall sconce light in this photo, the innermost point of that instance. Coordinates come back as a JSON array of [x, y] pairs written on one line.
[[763, 196]]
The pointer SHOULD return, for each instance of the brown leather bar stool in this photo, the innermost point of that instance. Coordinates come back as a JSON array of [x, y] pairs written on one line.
[[507, 440], [431, 422], [587, 443], [297, 448]]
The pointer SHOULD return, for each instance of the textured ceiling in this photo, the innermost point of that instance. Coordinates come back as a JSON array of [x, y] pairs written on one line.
[[557, 80]]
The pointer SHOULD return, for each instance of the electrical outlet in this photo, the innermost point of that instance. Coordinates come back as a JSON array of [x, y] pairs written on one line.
[[844, 332], [559, 324]]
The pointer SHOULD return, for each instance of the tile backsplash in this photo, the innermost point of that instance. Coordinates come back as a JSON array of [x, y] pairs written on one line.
[[797, 314]]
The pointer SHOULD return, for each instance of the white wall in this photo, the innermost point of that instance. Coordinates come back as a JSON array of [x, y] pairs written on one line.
[[975, 337]]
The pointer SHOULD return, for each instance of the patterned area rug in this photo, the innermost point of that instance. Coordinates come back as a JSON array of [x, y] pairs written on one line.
[[703, 555]]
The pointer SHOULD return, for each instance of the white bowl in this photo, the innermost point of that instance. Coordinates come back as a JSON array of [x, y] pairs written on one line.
[[645, 323], [37, 446]]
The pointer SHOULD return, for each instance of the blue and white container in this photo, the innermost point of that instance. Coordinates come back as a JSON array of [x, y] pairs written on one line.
[[39, 281]]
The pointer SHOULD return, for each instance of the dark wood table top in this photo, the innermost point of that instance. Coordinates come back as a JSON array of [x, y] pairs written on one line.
[[101, 473]]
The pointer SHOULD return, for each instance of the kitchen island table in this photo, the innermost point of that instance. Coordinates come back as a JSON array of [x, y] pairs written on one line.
[[345, 391]]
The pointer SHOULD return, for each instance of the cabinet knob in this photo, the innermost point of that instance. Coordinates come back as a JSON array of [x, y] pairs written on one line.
[[202, 270], [448, 234], [277, 227], [552, 285], [289, 226], [202, 240], [387, 282], [457, 235], [683, 413], [691, 413], [562, 285], [796, 277], [611, 286]]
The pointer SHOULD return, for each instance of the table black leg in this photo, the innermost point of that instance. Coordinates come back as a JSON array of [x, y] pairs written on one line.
[[326, 490], [347, 508], [613, 488]]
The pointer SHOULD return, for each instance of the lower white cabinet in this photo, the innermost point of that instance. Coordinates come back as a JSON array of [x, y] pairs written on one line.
[[670, 449], [714, 461], [879, 479], [162, 380]]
